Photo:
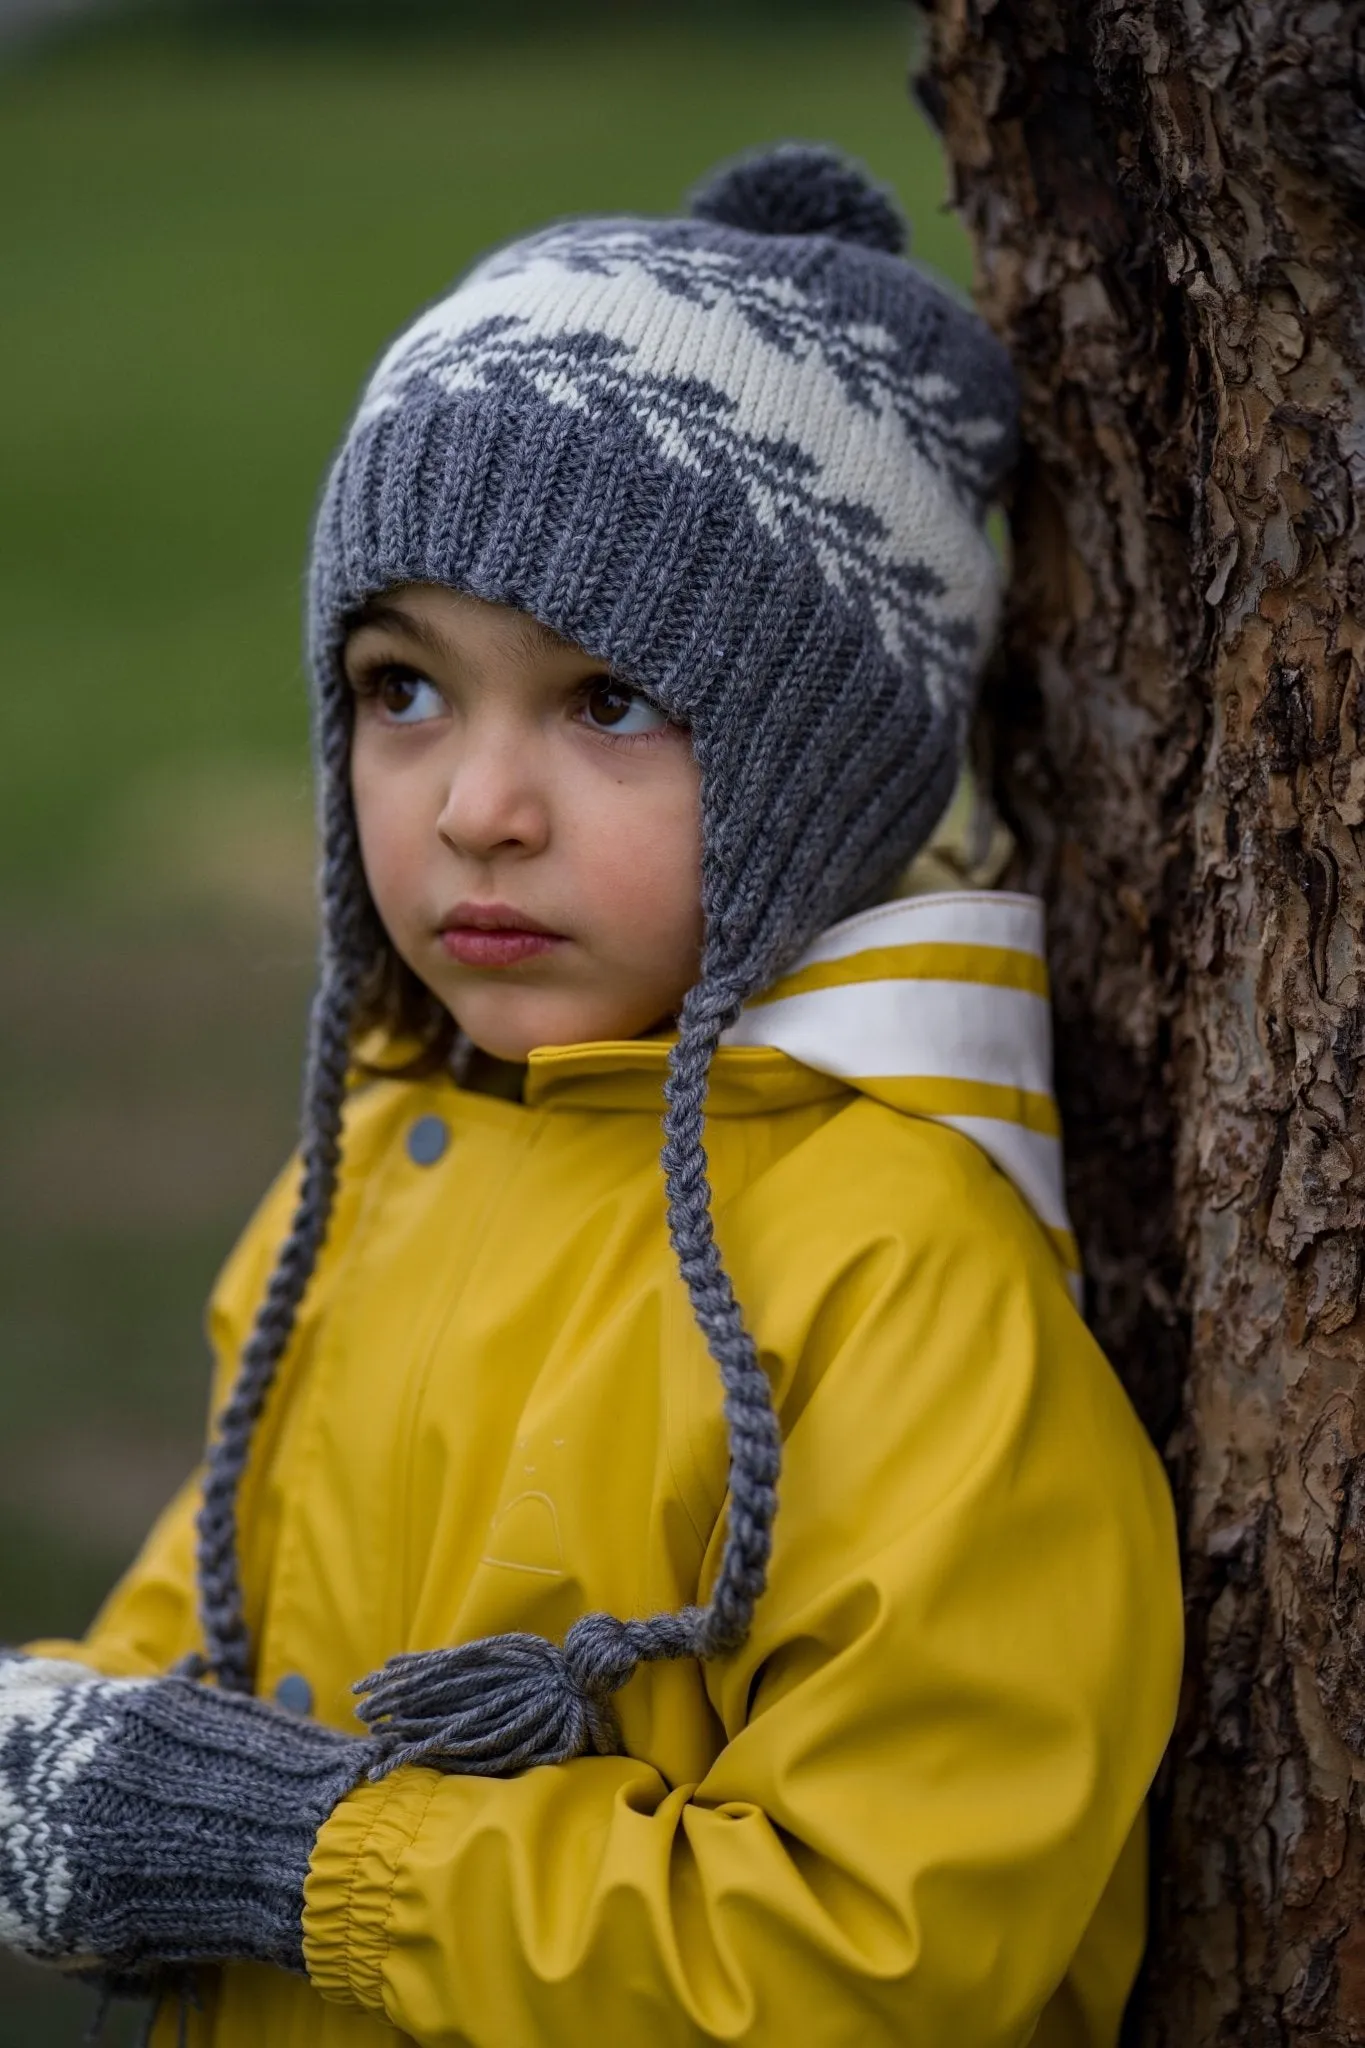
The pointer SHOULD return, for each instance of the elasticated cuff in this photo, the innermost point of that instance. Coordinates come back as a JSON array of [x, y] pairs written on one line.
[[348, 1896]]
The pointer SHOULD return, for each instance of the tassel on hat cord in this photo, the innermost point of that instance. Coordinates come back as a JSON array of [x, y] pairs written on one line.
[[507, 1703]]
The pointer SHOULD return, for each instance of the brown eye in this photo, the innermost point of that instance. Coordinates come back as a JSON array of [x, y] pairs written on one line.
[[617, 708], [406, 698]]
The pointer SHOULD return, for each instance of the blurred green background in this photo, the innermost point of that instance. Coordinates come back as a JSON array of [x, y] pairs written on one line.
[[208, 231]]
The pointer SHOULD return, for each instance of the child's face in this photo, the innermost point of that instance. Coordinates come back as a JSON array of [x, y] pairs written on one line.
[[502, 776]]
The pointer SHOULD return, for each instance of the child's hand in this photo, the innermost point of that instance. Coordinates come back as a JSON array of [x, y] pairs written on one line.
[[154, 1820]]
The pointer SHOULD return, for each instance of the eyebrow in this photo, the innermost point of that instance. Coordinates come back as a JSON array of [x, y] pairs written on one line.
[[376, 613], [535, 637], [539, 638]]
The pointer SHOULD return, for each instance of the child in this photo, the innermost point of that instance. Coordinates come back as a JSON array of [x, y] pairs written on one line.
[[649, 591]]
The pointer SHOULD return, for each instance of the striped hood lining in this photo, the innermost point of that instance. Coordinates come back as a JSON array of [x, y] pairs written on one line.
[[937, 1006]]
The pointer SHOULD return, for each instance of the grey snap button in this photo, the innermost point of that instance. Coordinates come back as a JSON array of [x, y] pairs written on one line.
[[427, 1140], [294, 1694]]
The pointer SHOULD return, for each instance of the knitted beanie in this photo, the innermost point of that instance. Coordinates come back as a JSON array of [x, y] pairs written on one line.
[[743, 457]]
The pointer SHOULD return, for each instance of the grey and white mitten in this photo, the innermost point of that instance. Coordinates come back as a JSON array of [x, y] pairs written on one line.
[[149, 1821]]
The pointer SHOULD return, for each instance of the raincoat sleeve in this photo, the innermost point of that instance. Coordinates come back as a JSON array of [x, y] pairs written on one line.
[[150, 1620], [938, 1738]]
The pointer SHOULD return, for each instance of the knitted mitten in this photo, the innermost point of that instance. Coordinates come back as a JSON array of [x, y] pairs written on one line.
[[150, 1821]]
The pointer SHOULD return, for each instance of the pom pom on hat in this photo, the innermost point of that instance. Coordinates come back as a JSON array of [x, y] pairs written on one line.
[[800, 188]]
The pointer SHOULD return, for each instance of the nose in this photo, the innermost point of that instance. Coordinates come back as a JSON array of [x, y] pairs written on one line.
[[494, 800]]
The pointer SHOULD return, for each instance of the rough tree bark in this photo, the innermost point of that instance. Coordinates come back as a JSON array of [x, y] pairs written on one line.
[[1168, 203]]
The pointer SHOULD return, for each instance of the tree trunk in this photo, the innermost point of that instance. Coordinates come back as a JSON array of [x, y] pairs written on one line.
[[1168, 204]]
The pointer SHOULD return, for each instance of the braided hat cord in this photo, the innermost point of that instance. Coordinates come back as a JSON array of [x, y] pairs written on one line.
[[227, 1650], [755, 1439], [220, 1588]]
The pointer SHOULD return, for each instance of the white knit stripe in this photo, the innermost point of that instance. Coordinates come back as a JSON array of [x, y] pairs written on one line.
[[15, 1931], [45, 1714], [59, 1707], [75, 1757], [966, 917], [940, 1030], [38, 1677]]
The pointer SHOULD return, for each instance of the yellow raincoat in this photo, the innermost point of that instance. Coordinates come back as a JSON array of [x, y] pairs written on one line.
[[909, 1810]]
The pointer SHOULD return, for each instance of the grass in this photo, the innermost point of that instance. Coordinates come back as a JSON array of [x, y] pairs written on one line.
[[204, 246]]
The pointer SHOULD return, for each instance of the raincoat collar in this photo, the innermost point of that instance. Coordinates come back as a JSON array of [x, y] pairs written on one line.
[[629, 1073], [936, 1006]]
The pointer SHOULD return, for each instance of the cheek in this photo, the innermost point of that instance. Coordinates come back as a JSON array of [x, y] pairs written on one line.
[[388, 833], [639, 860]]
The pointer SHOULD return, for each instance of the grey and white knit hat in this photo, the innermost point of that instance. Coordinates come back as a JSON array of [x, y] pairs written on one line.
[[744, 457]]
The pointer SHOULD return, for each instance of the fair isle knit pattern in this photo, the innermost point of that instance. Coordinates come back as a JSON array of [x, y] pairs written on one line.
[[48, 1737], [145, 1822], [797, 416], [745, 459]]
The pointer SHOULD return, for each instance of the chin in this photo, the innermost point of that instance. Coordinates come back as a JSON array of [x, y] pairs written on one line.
[[513, 1037], [500, 1047]]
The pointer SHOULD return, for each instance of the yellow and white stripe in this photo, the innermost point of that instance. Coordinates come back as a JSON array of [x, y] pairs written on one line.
[[937, 1006]]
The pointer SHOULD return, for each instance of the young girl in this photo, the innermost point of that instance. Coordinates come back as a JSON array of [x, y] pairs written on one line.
[[732, 1605]]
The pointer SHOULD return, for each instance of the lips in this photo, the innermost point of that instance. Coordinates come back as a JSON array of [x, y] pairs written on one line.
[[494, 917], [495, 935], [496, 949]]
